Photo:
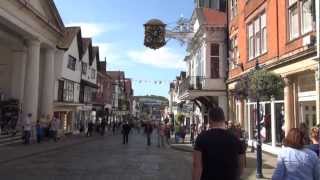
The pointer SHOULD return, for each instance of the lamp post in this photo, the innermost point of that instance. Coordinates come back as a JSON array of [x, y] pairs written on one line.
[[259, 150]]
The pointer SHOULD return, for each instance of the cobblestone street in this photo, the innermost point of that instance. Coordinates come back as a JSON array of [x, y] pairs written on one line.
[[101, 158]]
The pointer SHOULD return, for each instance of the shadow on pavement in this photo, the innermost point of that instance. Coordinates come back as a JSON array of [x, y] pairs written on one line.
[[250, 170]]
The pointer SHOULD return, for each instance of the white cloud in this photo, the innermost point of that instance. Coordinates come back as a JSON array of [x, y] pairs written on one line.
[[162, 58], [107, 50], [114, 57], [89, 29]]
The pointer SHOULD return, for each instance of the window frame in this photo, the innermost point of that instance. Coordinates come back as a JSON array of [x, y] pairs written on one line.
[[84, 68], [234, 51], [253, 35], [233, 9], [72, 63], [68, 91], [214, 61], [301, 32]]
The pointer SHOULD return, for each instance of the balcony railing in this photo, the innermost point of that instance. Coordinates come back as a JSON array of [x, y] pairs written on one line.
[[190, 83]]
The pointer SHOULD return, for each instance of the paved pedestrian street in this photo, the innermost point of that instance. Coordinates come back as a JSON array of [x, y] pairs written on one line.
[[101, 158]]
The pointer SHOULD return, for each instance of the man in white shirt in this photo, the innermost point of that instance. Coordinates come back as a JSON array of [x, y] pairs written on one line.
[[27, 126]]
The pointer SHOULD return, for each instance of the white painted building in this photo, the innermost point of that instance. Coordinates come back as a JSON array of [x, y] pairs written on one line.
[[67, 80], [30, 32], [88, 86], [204, 81]]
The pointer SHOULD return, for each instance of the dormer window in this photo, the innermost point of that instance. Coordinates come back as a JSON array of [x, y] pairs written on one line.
[[72, 61]]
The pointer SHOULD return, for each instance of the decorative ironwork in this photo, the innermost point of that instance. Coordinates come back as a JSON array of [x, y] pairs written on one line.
[[156, 33]]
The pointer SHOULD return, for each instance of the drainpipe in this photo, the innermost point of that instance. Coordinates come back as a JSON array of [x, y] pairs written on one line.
[[227, 71]]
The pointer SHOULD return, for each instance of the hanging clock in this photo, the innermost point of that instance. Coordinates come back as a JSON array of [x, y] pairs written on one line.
[[155, 34]]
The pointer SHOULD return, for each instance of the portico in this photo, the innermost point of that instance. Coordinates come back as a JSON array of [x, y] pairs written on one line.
[[28, 42]]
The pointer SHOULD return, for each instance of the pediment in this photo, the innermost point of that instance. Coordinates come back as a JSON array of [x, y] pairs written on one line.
[[48, 11]]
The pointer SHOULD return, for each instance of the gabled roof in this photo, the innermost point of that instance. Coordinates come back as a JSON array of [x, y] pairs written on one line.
[[69, 34], [87, 46], [116, 75], [95, 55], [211, 17]]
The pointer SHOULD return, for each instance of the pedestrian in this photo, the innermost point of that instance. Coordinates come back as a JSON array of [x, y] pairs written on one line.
[[54, 127], [167, 133], [162, 134], [90, 129], [218, 154], [103, 127], [305, 131], [295, 161], [315, 140], [39, 131], [193, 129], [27, 126], [125, 132], [183, 133], [114, 128], [148, 131]]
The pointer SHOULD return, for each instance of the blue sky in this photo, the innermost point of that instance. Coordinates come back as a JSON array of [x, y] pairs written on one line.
[[116, 26]]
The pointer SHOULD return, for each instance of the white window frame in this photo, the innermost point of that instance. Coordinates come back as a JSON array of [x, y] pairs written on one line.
[[257, 36], [303, 28]]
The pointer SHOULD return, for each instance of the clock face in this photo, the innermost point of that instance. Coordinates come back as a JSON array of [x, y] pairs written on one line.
[[155, 37]]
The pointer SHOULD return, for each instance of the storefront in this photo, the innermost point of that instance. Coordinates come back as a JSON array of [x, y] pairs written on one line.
[[66, 118], [301, 100]]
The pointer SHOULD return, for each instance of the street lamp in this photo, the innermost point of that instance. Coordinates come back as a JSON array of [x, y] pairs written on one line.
[[259, 150]]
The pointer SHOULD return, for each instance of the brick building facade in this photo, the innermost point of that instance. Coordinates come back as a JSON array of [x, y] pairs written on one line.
[[280, 36]]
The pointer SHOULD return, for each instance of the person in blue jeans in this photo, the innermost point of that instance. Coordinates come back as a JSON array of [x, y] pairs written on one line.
[[295, 162], [39, 131]]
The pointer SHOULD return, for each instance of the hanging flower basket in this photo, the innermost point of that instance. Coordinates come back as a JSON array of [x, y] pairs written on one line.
[[155, 32], [260, 84]]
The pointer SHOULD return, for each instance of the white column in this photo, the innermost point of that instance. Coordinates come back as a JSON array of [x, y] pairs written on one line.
[[317, 74], [288, 105], [223, 103], [250, 135], [241, 113], [31, 91], [18, 74], [48, 83], [273, 123]]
